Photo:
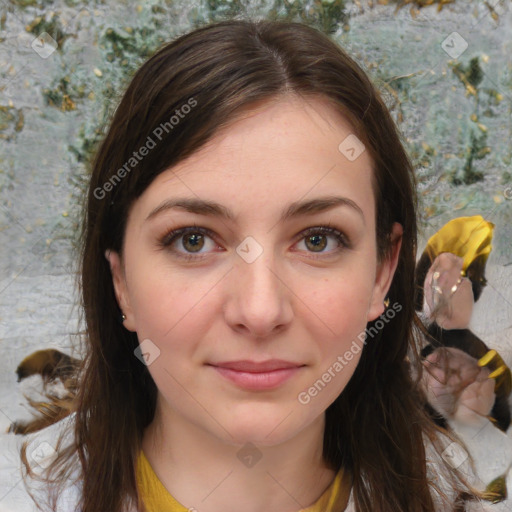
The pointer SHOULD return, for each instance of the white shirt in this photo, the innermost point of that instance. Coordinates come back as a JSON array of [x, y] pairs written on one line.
[[15, 498]]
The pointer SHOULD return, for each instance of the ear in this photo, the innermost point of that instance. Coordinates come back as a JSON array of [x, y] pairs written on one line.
[[385, 272], [120, 288]]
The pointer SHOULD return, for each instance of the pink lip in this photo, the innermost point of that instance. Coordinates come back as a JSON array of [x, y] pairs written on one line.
[[257, 376], [257, 367]]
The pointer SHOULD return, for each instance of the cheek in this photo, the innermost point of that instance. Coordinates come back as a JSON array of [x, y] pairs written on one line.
[[168, 304], [174, 315], [335, 315], [340, 303]]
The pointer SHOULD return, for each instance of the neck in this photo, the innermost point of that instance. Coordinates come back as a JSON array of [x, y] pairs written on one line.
[[206, 473]]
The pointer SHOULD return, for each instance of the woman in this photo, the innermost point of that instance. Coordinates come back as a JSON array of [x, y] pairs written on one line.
[[251, 215]]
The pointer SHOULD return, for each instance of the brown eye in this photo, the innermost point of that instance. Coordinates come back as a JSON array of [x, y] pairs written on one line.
[[193, 242], [317, 239], [189, 242], [316, 242]]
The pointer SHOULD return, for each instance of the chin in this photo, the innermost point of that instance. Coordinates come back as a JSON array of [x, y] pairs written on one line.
[[262, 428]]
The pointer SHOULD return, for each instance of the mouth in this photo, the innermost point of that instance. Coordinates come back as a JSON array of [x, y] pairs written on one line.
[[254, 375]]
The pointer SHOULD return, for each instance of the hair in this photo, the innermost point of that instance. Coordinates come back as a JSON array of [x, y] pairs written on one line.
[[377, 427]]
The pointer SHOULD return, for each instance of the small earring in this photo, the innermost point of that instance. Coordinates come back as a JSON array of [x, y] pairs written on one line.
[[123, 317], [386, 303]]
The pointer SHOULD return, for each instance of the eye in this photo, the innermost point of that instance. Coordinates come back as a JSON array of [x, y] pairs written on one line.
[[192, 239], [316, 239], [189, 241]]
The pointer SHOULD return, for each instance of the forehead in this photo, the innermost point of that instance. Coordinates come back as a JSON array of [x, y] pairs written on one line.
[[278, 151], [283, 124]]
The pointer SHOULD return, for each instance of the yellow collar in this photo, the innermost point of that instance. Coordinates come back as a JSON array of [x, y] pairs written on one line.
[[157, 498]]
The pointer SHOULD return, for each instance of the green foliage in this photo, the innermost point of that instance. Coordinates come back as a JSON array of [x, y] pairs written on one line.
[[221, 9], [51, 25], [472, 74], [44, 4], [477, 150], [91, 134], [130, 47], [325, 15], [421, 3], [30, 3], [11, 122], [65, 93], [88, 142]]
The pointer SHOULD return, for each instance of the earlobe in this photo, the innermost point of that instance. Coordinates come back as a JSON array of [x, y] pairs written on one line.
[[385, 272], [120, 289]]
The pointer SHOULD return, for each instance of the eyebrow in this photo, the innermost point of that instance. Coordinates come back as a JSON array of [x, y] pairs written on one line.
[[295, 209]]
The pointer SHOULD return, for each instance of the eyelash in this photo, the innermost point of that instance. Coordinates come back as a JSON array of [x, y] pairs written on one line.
[[175, 234]]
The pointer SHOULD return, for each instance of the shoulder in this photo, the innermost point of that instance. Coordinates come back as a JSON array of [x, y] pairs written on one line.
[[470, 507], [438, 474], [41, 446], [437, 471], [41, 450], [486, 506]]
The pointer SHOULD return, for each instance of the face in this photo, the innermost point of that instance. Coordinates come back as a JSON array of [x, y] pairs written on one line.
[[274, 262]]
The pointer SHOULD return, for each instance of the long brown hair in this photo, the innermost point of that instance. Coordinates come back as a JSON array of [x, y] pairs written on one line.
[[377, 427]]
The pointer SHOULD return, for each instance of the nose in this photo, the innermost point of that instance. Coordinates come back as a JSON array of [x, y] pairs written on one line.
[[259, 302]]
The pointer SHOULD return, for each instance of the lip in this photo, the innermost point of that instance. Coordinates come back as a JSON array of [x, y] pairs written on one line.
[[257, 375], [257, 367]]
